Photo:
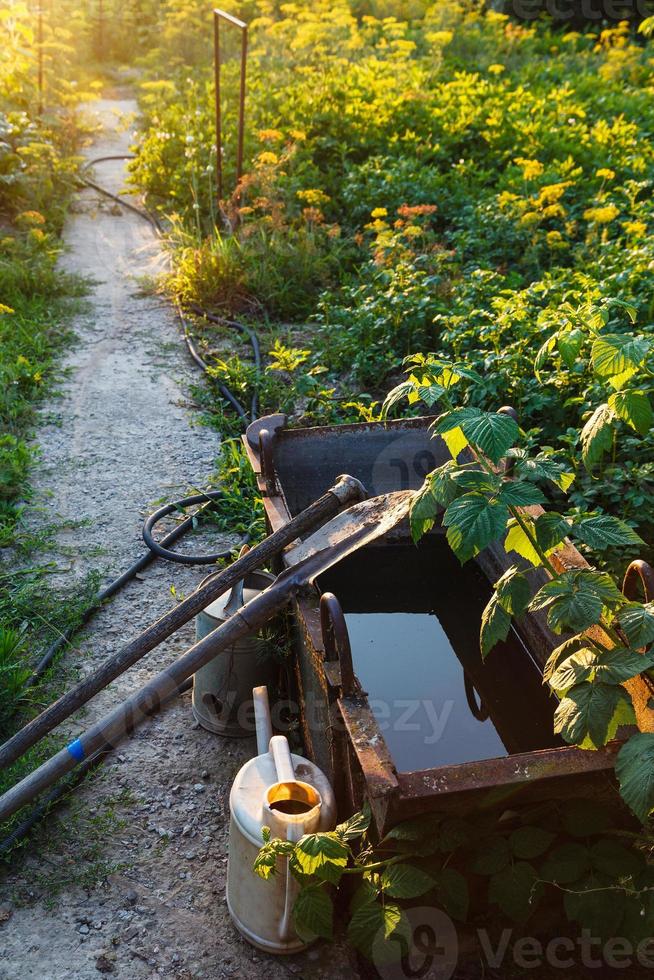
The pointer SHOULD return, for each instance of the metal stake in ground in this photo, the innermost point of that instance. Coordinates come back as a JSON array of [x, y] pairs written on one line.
[[349, 531], [347, 490]]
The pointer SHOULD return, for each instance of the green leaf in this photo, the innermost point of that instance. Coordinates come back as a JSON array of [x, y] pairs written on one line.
[[618, 356], [604, 531], [423, 512], [265, 863], [569, 344], [416, 829], [576, 599], [637, 623], [551, 530], [455, 441], [441, 483], [635, 771], [355, 827], [364, 895], [595, 906], [583, 818], [634, 408], [561, 653], [470, 480], [530, 842], [521, 494], [567, 863], [597, 436], [543, 353], [313, 912], [455, 419], [405, 881], [513, 591], [610, 857], [314, 851], [455, 832], [371, 918], [397, 394], [543, 466], [514, 890], [610, 667], [452, 892], [516, 540], [492, 433], [495, 625], [473, 522], [491, 855], [587, 713]]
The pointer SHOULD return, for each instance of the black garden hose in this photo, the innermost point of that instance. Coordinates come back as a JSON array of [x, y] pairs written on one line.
[[175, 556]]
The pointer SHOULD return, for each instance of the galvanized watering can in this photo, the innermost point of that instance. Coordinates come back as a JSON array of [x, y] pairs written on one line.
[[293, 797], [223, 687]]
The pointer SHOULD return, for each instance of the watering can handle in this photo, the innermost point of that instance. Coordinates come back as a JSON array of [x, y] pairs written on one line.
[[281, 753], [262, 720], [294, 832]]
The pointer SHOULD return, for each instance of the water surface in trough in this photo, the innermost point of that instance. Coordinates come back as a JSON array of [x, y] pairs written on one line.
[[413, 616]]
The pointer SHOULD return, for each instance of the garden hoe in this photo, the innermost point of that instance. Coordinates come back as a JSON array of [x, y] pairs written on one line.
[[342, 535]]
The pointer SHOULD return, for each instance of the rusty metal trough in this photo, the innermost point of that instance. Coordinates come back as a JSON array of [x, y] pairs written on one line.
[[293, 467]]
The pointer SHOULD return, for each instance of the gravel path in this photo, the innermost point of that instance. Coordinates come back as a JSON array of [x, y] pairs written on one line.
[[129, 878]]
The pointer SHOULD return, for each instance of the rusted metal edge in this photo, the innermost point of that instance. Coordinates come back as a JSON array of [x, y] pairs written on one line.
[[371, 753]]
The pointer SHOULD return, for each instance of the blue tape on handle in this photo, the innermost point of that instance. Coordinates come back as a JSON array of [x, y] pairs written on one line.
[[76, 749]]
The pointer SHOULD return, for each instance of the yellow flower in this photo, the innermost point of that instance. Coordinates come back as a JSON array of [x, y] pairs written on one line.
[[496, 69], [530, 168], [440, 38], [38, 377], [554, 211], [602, 215], [635, 228], [412, 231], [270, 134], [554, 238], [267, 158], [552, 193], [379, 213], [605, 173], [30, 218], [298, 135], [313, 197], [506, 197], [22, 361], [5, 309], [377, 225]]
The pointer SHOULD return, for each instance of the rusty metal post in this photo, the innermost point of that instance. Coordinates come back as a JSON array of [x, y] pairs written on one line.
[[219, 15], [639, 572], [336, 641], [39, 41]]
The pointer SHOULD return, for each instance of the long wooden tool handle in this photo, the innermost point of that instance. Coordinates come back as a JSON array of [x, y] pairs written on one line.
[[346, 491], [134, 709]]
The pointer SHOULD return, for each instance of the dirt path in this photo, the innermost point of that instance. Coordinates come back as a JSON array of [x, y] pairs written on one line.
[[130, 878]]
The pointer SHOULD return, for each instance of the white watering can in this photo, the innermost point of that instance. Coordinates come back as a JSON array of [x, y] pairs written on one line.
[[293, 797]]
